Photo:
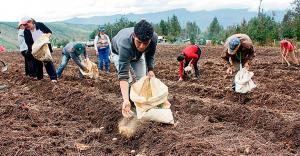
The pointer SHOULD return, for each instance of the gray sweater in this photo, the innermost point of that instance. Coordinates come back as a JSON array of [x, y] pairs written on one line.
[[123, 45], [67, 51], [21, 39]]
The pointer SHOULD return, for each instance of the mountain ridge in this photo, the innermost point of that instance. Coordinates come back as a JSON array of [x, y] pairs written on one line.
[[203, 18]]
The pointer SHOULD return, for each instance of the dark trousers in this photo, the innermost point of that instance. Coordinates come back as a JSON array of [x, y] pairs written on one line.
[[50, 68], [29, 64], [195, 65], [26, 63]]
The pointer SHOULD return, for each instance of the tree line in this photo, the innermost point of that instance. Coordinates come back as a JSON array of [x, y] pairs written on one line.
[[263, 28]]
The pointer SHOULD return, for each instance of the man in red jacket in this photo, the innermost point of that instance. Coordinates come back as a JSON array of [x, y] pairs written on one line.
[[189, 57]]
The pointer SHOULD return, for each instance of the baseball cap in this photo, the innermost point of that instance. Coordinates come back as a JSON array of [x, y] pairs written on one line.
[[24, 20], [79, 48], [101, 29], [233, 43]]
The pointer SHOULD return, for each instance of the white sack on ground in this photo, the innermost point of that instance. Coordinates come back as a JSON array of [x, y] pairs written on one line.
[[243, 81]]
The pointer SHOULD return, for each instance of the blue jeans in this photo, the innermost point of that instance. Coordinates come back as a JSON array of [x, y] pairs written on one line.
[[103, 56], [64, 61]]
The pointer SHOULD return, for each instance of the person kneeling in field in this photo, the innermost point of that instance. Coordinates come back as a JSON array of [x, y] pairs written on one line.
[[288, 48], [238, 49], [133, 48], [189, 57], [74, 51]]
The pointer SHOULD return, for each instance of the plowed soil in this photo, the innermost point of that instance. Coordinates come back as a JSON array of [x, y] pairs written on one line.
[[80, 116]]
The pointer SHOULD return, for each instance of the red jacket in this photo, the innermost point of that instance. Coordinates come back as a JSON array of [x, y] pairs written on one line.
[[190, 53]]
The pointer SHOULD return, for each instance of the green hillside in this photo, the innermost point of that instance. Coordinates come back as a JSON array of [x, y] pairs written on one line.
[[61, 32]]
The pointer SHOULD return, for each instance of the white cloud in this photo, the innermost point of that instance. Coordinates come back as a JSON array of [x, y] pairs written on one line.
[[54, 10]]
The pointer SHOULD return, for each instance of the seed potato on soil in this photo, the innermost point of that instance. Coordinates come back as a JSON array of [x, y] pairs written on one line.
[[42, 118]]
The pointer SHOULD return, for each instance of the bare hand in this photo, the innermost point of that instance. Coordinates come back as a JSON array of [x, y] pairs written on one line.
[[151, 74], [96, 52], [247, 66], [126, 109], [229, 71], [110, 58], [166, 104], [48, 35], [180, 79]]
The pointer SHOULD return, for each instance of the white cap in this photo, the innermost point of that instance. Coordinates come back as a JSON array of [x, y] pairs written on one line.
[[24, 20]]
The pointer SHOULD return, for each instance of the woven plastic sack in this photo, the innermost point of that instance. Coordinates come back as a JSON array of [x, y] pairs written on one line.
[[147, 94], [243, 81], [93, 71], [40, 49]]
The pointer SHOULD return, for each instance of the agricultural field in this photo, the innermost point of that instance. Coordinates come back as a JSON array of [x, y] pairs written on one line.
[[80, 116]]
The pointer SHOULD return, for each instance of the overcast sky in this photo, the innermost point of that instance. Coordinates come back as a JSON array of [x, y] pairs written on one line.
[[54, 10]]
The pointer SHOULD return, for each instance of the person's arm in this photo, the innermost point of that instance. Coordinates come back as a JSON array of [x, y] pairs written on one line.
[[44, 28], [284, 56], [77, 60], [123, 76], [181, 71], [95, 43], [85, 54], [226, 58], [150, 57], [281, 48], [109, 44], [228, 61]]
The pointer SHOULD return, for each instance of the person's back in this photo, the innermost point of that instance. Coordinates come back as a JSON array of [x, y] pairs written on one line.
[[287, 45], [68, 48], [242, 52], [243, 37], [191, 52], [287, 48]]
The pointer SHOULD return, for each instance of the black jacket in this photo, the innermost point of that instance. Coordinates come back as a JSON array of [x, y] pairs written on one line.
[[28, 36]]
